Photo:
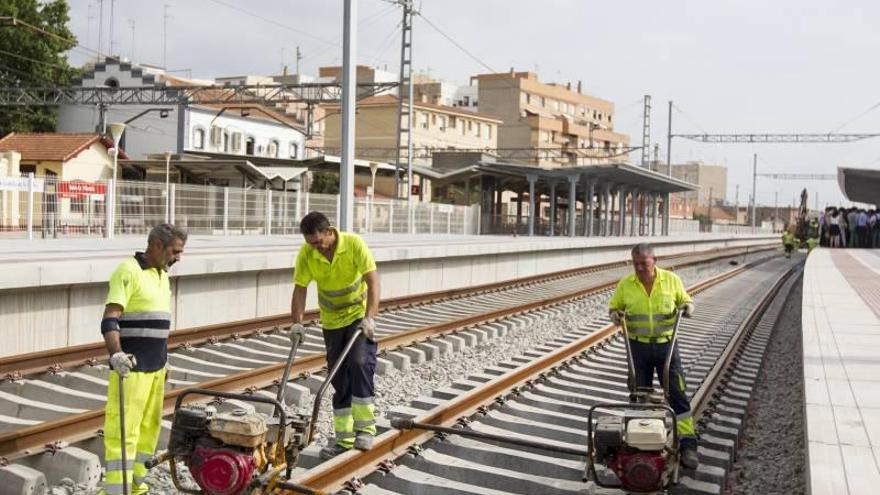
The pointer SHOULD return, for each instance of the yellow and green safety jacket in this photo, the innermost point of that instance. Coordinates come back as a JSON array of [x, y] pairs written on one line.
[[145, 296], [342, 291], [650, 317]]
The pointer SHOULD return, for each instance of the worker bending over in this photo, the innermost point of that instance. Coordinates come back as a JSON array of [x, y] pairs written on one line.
[[348, 297]]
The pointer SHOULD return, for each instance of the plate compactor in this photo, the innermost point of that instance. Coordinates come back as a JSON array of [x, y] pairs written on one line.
[[241, 451], [630, 446]]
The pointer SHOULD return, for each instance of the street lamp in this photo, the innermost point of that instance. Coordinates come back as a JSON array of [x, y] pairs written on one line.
[[116, 130], [373, 168], [167, 186]]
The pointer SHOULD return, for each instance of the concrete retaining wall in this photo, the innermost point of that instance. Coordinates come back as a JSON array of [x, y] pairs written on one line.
[[50, 303]]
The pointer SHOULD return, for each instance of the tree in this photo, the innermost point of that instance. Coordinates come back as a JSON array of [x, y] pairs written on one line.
[[324, 183], [33, 41]]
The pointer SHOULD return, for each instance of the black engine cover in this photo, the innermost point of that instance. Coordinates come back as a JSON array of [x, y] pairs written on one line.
[[189, 425]]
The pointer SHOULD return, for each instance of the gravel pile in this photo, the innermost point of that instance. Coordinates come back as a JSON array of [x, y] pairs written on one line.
[[400, 387], [772, 455]]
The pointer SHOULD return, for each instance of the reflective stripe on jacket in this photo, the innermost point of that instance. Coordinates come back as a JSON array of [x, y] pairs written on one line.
[[650, 315], [342, 291]]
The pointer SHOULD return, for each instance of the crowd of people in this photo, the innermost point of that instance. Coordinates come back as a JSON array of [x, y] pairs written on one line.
[[849, 227]]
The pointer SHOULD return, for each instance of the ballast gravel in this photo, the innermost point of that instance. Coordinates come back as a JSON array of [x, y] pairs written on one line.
[[398, 387], [772, 456]]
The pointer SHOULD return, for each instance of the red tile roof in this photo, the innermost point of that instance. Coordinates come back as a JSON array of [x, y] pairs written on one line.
[[52, 146]]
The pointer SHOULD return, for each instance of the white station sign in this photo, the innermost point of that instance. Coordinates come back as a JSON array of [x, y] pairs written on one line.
[[19, 184]]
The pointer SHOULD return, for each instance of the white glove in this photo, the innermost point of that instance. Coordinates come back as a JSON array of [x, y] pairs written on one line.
[[616, 316], [687, 310], [121, 363], [297, 333], [368, 327]]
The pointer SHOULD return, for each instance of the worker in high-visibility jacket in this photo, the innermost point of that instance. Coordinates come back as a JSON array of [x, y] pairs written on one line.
[[136, 323], [648, 300], [348, 298], [789, 241]]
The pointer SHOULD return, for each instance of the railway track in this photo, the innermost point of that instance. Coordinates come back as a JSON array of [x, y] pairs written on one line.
[[239, 363], [544, 395]]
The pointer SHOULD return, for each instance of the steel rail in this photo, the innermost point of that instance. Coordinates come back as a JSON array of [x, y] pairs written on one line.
[[92, 353], [80, 426], [332, 475], [704, 395]]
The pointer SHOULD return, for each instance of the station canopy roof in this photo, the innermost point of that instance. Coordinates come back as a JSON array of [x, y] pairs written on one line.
[[614, 174], [860, 185], [201, 170]]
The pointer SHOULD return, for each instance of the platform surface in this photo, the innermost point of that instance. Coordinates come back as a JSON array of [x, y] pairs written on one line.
[[841, 344]]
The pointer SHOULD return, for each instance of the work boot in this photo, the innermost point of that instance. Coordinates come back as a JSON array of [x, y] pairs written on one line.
[[363, 441], [689, 457], [332, 450]]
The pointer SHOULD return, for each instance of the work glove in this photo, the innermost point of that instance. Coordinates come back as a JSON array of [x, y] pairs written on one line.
[[368, 327], [616, 316], [121, 363], [297, 333], [687, 310]]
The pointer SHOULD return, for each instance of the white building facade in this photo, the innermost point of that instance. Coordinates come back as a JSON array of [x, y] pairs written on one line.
[[179, 129]]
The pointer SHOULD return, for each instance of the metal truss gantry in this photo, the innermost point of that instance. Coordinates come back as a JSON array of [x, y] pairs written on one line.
[[776, 138], [310, 93]]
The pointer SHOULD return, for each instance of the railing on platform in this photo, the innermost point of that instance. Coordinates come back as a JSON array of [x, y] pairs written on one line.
[[47, 208]]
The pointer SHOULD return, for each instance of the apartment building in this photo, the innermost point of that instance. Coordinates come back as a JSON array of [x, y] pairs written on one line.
[[712, 180], [549, 124], [435, 127]]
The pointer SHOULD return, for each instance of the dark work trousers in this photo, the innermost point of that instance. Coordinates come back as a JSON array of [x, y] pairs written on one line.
[[355, 376], [650, 358]]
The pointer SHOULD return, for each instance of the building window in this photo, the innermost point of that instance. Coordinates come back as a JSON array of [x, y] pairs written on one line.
[[216, 136], [433, 119], [479, 129], [198, 139], [294, 150], [249, 147], [423, 120], [226, 142], [236, 142], [489, 131], [543, 101], [272, 149], [452, 121], [443, 123]]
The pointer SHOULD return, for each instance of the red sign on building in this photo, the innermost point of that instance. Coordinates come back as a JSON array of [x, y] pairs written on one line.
[[79, 190]]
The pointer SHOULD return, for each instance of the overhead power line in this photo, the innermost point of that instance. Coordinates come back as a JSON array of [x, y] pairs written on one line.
[[857, 117], [457, 44]]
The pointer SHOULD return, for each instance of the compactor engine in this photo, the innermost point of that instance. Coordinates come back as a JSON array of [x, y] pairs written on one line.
[[222, 450], [637, 447]]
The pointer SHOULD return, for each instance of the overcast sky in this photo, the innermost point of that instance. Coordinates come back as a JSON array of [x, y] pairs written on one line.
[[729, 65]]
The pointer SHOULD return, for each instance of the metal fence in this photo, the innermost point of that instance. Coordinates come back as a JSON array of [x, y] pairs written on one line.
[[48, 208]]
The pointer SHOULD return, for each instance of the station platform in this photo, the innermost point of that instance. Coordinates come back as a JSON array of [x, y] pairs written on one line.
[[52, 291], [841, 353]]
